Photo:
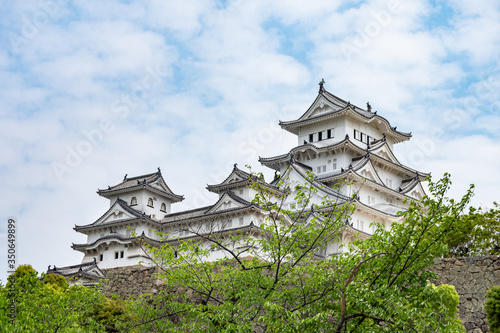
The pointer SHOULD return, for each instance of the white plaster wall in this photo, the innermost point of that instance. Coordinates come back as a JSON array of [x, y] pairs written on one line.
[[336, 125]]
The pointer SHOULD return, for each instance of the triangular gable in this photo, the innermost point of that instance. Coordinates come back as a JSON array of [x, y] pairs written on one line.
[[368, 171], [117, 213], [227, 201], [296, 176], [161, 185], [414, 190], [385, 152], [320, 107]]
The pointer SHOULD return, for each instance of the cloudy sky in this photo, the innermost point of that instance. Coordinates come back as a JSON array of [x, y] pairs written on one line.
[[93, 90]]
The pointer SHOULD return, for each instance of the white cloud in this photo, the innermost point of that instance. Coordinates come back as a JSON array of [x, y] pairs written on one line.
[[227, 74]]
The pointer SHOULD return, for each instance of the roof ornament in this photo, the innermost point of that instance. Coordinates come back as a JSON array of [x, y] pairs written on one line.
[[95, 261], [383, 137], [291, 158], [125, 177], [375, 112], [347, 136], [348, 103], [321, 88], [350, 166], [305, 142], [235, 165], [138, 181], [109, 187], [342, 169], [368, 107], [48, 269], [159, 169]]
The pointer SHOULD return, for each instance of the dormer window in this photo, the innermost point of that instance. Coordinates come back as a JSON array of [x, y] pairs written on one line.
[[150, 202], [163, 207], [133, 201]]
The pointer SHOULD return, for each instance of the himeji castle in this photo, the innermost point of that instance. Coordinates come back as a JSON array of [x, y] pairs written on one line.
[[338, 142]]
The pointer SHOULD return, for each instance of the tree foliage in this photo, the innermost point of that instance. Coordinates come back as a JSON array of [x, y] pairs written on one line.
[[492, 307], [271, 278], [476, 233], [29, 303]]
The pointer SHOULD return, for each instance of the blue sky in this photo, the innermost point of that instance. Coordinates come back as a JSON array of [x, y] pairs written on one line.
[[93, 90]]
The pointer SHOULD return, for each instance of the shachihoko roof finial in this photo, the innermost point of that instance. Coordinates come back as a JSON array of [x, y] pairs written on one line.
[[368, 107], [321, 88]]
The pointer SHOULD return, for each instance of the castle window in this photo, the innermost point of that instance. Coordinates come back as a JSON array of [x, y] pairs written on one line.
[[320, 136], [150, 202], [241, 221], [121, 254], [101, 257], [329, 134], [133, 201], [163, 207], [311, 137]]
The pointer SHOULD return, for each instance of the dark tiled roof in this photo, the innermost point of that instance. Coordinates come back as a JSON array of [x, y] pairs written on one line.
[[116, 237], [135, 213], [89, 270], [144, 181], [340, 106], [271, 161]]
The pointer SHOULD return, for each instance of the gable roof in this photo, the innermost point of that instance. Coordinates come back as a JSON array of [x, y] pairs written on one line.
[[88, 270], [276, 161], [231, 197], [118, 206], [336, 107], [237, 179], [152, 181]]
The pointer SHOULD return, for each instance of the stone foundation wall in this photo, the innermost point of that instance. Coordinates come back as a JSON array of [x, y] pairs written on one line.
[[131, 281], [472, 277]]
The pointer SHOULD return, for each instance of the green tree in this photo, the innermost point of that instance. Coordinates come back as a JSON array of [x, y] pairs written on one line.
[[47, 304], [476, 233], [274, 282], [492, 307]]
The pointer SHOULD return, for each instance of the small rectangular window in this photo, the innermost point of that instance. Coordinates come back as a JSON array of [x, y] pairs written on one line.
[[356, 134], [311, 137], [324, 168], [121, 254], [241, 221], [334, 164], [329, 133], [101, 257], [241, 192], [116, 255], [320, 136], [318, 169]]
